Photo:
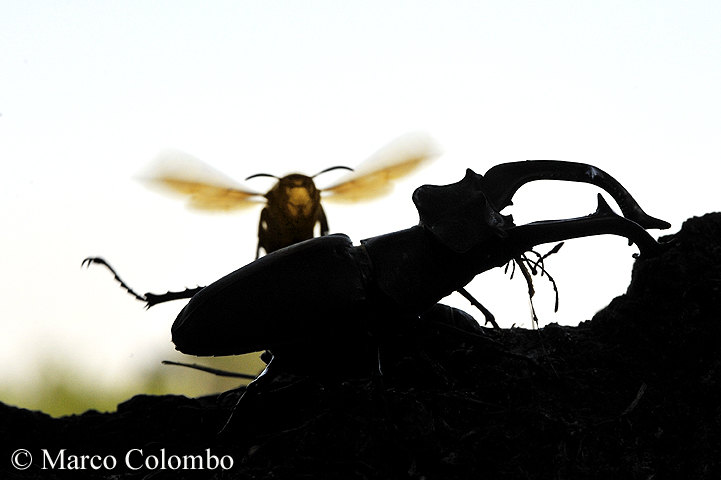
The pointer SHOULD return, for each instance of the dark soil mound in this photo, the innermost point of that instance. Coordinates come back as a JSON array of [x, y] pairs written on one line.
[[633, 393]]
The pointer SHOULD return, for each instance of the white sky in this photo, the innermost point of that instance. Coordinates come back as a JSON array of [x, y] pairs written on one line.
[[90, 92]]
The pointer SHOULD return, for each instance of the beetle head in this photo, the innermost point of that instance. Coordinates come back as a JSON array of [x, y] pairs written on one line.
[[459, 215], [296, 194]]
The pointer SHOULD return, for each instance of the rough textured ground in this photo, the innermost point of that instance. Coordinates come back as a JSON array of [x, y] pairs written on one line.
[[633, 393]]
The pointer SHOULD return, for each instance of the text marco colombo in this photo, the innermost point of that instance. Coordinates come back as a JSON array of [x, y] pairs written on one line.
[[135, 459]]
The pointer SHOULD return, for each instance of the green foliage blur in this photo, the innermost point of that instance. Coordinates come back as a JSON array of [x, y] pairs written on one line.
[[63, 391]]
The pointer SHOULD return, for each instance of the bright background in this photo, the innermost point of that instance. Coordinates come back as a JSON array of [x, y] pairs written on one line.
[[90, 92]]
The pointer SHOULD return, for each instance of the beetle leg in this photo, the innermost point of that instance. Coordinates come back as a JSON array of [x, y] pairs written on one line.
[[154, 298], [486, 313], [99, 260], [252, 389], [214, 371], [150, 299], [501, 182]]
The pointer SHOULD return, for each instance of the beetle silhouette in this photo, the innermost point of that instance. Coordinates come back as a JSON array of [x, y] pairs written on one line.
[[293, 206], [465, 214], [296, 295], [327, 292]]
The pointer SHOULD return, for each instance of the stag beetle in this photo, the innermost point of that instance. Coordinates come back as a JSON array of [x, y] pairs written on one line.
[[327, 289]]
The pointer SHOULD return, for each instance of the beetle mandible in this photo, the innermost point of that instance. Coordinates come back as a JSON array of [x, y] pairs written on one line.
[[327, 289], [293, 205]]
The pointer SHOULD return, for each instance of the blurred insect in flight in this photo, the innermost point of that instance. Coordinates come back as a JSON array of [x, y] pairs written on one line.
[[293, 207]]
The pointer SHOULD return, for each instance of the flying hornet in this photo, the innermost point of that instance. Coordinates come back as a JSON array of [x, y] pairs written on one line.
[[293, 211]]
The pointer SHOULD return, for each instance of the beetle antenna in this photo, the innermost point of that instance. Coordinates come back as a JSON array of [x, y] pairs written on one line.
[[550, 278], [526, 274], [511, 264], [540, 262], [535, 266], [337, 167], [262, 175]]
